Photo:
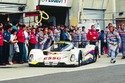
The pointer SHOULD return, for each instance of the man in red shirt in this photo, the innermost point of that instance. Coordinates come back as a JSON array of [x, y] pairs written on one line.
[[32, 39], [1, 46], [92, 35], [21, 43]]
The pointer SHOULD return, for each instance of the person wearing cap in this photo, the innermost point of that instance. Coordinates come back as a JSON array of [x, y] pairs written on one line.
[[114, 41]]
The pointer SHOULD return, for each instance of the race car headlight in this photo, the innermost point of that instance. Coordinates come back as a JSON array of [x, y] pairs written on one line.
[[30, 57], [72, 58]]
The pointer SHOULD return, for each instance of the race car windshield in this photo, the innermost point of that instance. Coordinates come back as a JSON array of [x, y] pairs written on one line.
[[58, 47]]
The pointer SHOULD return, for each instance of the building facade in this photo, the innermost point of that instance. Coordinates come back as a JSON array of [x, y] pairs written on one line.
[[97, 12], [58, 11], [120, 12], [81, 12], [68, 12], [12, 10]]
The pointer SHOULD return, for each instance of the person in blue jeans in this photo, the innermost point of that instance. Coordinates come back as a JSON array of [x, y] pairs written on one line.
[[122, 35], [13, 42], [102, 38], [21, 43], [6, 47], [114, 41]]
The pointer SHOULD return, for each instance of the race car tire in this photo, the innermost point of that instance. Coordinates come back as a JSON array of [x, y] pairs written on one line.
[[30, 65], [79, 58], [95, 54]]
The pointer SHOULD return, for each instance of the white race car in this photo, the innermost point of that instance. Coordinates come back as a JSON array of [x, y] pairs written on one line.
[[63, 53]]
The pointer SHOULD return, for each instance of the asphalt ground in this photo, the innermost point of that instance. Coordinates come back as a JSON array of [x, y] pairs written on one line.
[[111, 74], [100, 72]]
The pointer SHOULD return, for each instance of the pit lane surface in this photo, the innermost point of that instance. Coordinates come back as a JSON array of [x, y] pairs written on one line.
[[102, 70], [114, 74]]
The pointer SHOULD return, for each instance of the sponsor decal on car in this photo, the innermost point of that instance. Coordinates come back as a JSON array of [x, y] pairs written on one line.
[[52, 58]]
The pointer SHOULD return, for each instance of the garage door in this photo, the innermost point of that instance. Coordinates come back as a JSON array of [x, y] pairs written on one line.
[[93, 17]]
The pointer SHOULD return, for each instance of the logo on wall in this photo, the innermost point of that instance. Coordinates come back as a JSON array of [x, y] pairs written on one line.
[[66, 3], [54, 1]]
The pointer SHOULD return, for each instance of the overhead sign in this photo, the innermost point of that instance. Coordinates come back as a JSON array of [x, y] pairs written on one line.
[[65, 3]]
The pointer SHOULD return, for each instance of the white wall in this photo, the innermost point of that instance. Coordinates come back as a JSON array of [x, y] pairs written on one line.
[[14, 1], [74, 13], [13, 7], [63, 3], [110, 10], [93, 17], [31, 5], [120, 7], [107, 5]]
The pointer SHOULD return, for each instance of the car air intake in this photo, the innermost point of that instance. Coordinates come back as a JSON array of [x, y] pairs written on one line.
[[45, 52]]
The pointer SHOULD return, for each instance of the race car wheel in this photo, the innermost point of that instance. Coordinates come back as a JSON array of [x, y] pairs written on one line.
[[95, 54], [79, 58], [30, 65]]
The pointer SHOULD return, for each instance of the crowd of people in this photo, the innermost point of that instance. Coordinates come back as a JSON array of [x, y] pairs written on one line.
[[16, 41]]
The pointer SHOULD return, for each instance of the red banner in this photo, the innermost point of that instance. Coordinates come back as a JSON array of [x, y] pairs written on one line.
[[29, 14]]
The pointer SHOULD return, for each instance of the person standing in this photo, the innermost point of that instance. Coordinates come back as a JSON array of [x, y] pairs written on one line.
[[102, 38], [7, 34], [83, 37], [26, 33], [106, 31], [114, 41], [45, 38], [21, 43], [32, 39], [64, 35], [122, 35], [1, 46], [56, 34], [50, 39], [75, 38], [39, 38], [13, 43], [92, 35]]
